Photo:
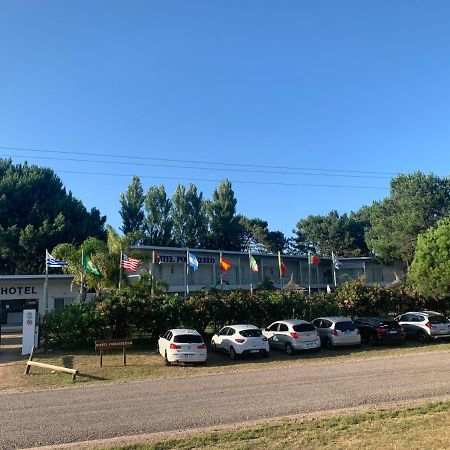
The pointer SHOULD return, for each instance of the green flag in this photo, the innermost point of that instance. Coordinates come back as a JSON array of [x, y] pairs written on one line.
[[90, 266]]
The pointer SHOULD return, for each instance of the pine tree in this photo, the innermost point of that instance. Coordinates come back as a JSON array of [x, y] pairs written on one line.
[[131, 208], [158, 222]]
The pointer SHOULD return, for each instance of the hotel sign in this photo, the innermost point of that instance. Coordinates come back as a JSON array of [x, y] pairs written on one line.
[[168, 259], [18, 290]]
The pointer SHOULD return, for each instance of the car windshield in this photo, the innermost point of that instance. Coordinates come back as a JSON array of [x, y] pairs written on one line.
[[304, 327], [188, 339], [437, 319], [250, 333], [345, 326]]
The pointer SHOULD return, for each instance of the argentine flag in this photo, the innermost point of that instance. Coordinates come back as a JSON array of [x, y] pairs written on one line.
[[192, 261]]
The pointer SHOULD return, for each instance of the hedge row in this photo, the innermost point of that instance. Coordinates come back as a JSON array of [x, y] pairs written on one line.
[[134, 312]]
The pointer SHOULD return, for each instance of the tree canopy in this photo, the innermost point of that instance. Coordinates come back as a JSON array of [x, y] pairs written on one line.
[[416, 202], [341, 234], [430, 269], [37, 213]]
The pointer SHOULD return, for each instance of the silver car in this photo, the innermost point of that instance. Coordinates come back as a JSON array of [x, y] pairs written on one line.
[[425, 325], [291, 335], [337, 331]]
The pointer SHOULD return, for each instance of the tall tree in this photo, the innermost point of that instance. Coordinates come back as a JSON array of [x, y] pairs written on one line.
[[225, 229], [131, 211], [36, 213], [190, 223], [341, 234], [429, 272], [416, 202], [158, 222], [257, 237]]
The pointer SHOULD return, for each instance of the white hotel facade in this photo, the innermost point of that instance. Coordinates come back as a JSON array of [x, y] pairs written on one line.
[[19, 292]]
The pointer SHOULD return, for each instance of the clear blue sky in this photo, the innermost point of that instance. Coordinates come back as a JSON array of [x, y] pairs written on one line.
[[334, 85]]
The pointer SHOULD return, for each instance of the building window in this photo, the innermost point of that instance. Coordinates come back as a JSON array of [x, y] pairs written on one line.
[[59, 303], [377, 274]]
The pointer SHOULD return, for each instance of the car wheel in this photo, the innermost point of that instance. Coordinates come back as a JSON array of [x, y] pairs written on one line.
[[373, 340], [328, 344], [264, 354], [166, 361], [289, 349], [233, 354], [422, 338]]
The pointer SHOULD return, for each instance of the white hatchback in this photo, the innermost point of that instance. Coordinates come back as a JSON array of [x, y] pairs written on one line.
[[240, 340], [182, 345]]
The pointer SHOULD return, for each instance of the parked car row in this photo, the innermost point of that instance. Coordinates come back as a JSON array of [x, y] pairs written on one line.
[[186, 345]]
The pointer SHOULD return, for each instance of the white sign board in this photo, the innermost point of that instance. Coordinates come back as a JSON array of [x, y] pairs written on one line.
[[29, 325]]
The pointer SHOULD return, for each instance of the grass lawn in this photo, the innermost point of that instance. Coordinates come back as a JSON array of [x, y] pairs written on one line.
[[143, 364], [425, 427]]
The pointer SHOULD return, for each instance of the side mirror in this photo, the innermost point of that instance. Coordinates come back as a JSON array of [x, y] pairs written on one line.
[[161, 335]]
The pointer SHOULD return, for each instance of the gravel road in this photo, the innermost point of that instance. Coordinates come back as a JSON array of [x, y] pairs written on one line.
[[38, 418]]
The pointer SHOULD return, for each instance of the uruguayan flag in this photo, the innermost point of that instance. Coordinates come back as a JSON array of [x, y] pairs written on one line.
[[192, 261], [53, 262], [336, 262]]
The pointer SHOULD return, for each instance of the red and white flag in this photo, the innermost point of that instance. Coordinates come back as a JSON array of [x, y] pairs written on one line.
[[128, 263]]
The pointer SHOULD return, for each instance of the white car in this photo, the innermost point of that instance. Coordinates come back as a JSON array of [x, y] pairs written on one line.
[[240, 340], [425, 325], [182, 345], [293, 334]]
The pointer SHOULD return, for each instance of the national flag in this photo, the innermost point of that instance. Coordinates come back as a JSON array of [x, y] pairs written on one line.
[[281, 265], [224, 264], [336, 262], [129, 263], [313, 259], [54, 262], [90, 266], [192, 261], [253, 264], [156, 258]]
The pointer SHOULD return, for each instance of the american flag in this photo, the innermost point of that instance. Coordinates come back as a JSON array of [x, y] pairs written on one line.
[[129, 263]]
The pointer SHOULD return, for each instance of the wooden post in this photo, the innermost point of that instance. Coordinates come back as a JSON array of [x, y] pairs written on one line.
[[124, 356], [101, 357], [27, 369]]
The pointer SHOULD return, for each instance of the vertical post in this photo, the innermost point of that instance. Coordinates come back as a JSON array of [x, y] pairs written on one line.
[[309, 274], [101, 357], [46, 282], [82, 275], [187, 273], [239, 273], [300, 268], [333, 263], [279, 268], [152, 277], [250, 270], [317, 271], [220, 270], [124, 356], [120, 270]]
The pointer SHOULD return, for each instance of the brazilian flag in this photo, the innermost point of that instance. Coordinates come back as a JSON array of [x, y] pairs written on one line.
[[90, 266]]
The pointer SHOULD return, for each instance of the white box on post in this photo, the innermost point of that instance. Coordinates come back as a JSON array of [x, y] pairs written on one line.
[[29, 325]]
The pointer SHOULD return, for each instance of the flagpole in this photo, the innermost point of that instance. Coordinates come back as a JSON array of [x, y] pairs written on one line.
[[309, 274], [152, 291], [220, 269], [82, 275], [279, 268], [250, 269], [317, 272], [187, 272], [120, 270], [333, 262], [46, 282]]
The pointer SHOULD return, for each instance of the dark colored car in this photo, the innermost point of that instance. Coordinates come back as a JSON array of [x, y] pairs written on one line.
[[380, 330]]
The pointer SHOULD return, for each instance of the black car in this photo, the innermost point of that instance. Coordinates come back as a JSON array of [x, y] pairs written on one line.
[[380, 330]]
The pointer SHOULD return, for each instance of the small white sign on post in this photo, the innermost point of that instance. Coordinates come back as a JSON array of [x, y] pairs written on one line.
[[29, 325]]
